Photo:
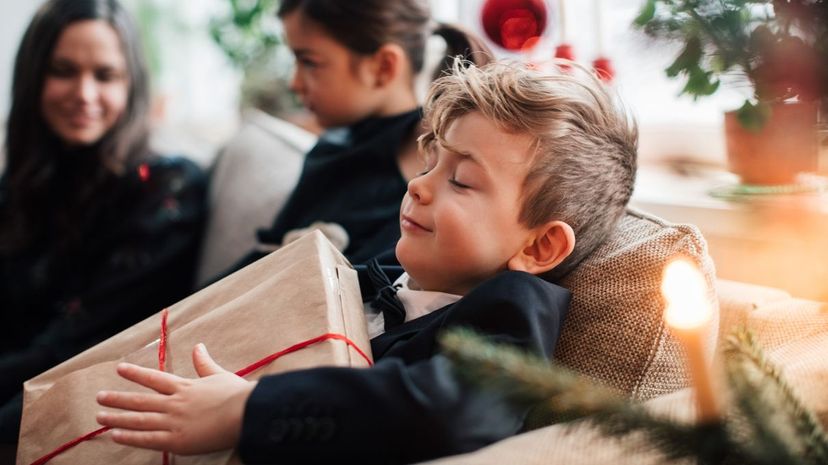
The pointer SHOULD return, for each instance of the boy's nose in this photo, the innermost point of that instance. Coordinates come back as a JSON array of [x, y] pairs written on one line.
[[418, 189]]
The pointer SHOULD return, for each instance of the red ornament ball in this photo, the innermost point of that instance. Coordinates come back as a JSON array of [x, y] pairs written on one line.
[[514, 24], [604, 69], [565, 51]]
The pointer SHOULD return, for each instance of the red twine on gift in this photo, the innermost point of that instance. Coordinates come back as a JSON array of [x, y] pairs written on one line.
[[270, 358], [69, 445], [162, 363], [162, 359]]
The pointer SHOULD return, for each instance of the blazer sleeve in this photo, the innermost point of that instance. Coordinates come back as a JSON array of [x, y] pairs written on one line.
[[405, 408]]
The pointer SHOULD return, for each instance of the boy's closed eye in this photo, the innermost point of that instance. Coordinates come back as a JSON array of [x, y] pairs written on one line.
[[466, 174], [454, 182]]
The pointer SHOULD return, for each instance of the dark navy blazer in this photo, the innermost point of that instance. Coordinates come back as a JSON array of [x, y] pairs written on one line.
[[409, 406]]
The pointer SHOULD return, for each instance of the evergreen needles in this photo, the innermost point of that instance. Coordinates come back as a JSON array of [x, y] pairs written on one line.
[[779, 428], [766, 425]]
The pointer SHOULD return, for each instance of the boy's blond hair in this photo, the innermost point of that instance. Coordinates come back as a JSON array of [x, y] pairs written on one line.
[[584, 161]]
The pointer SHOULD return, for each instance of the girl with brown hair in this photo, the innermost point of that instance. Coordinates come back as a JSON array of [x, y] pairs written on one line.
[[356, 65]]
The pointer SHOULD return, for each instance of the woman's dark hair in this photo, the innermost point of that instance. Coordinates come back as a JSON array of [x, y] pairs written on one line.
[[34, 152], [363, 26]]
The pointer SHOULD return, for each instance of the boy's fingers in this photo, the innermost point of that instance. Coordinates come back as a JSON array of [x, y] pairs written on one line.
[[203, 363], [165, 383], [137, 401], [139, 421], [158, 440]]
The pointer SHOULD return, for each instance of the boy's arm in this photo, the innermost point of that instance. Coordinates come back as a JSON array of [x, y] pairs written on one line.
[[408, 407], [399, 410]]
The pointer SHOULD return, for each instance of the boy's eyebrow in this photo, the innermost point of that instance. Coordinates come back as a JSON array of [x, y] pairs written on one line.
[[464, 154]]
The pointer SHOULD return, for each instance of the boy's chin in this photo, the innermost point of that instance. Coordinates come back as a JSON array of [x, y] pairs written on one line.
[[402, 253], [408, 258]]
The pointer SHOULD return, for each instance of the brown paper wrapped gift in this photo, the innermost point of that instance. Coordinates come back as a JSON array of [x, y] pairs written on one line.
[[302, 291]]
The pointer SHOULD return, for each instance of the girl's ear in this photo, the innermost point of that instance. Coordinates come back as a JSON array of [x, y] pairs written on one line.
[[388, 63], [550, 244]]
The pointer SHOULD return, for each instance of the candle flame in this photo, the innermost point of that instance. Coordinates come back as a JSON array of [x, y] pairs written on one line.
[[685, 289]]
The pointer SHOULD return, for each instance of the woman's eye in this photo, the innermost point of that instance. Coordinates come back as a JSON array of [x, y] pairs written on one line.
[[60, 71], [106, 75]]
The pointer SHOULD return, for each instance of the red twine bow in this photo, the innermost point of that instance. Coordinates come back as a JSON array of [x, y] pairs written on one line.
[[162, 359]]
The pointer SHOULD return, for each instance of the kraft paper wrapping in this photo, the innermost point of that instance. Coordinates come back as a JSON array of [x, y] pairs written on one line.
[[299, 292]]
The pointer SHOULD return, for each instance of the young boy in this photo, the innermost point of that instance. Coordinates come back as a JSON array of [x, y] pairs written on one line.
[[519, 164]]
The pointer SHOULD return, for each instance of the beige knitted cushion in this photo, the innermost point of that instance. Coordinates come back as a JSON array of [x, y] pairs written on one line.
[[614, 331]]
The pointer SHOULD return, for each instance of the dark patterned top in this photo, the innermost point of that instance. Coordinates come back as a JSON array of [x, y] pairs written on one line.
[[137, 255]]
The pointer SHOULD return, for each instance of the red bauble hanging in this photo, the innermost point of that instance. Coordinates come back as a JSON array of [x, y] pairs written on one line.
[[514, 24], [565, 51], [604, 69]]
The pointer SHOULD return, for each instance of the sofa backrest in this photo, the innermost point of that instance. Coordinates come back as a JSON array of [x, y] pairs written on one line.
[[250, 182], [615, 331]]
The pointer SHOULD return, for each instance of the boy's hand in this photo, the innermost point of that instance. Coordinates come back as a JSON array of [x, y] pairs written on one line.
[[184, 416]]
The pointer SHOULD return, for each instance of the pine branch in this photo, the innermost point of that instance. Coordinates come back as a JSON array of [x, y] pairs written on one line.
[[557, 394], [781, 428], [526, 379]]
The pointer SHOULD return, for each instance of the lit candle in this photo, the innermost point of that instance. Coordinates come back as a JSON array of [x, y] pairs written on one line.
[[688, 315]]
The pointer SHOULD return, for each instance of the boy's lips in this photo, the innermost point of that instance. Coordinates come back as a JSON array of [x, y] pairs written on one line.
[[409, 224]]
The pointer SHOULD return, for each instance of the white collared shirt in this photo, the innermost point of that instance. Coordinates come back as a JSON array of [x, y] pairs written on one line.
[[416, 302]]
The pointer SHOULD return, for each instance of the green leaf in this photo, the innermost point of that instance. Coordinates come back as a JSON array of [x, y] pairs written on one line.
[[646, 14], [699, 83], [688, 59], [753, 117]]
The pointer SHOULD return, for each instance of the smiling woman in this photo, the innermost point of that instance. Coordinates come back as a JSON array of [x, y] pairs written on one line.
[[96, 232], [86, 86]]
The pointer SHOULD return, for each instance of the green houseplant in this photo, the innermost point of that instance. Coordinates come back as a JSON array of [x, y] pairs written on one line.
[[779, 48], [250, 37]]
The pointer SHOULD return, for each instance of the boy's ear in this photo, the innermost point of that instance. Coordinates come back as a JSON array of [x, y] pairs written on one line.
[[551, 244], [388, 63]]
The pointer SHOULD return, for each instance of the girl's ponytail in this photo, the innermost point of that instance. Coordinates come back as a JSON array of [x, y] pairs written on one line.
[[460, 42]]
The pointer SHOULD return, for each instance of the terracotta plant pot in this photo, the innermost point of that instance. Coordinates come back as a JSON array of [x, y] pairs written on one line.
[[783, 148]]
